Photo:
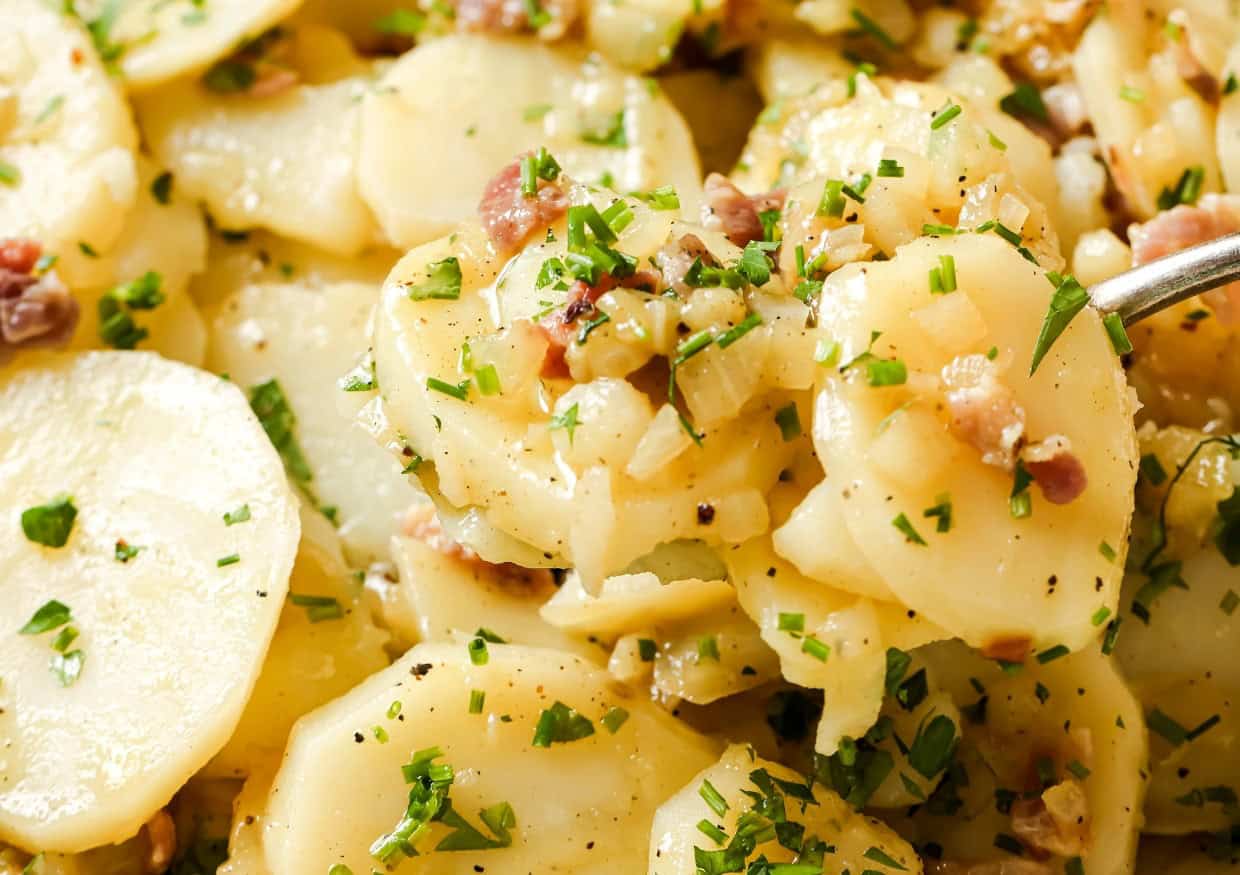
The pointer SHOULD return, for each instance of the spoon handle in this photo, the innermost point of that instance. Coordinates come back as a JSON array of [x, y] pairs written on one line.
[[1142, 291]]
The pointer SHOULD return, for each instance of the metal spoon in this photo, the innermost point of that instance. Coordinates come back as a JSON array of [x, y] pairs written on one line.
[[1145, 290]]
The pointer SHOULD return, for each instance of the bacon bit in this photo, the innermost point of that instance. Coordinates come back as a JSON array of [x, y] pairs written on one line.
[[677, 256], [736, 213], [1214, 216], [1013, 649], [1057, 822], [983, 410], [1058, 473], [422, 522], [509, 216], [512, 16], [34, 310], [273, 80], [559, 327], [161, 832], [19, 254]]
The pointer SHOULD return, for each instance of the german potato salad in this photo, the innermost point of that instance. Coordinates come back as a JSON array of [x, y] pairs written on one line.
[[616, 437]]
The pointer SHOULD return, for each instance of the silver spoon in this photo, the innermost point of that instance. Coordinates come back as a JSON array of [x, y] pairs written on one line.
[[1143, 291]]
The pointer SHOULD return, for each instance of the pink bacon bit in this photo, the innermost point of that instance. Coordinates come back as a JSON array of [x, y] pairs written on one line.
[[1214, 216], [983, 411], [509, 216], [513, 16], [561, 326], [1057, 471], [34, 310], [736, 213], [422, 522]]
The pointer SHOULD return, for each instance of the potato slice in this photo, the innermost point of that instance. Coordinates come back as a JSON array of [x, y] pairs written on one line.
[[575, 499], [508, 96], [65, 136], [1066, 714], [308, 338], [153, 454], [245, 157], [855, 839], [448, 597], [856, 632], [583, 806], [991, 577], [313, 658], [1180, 664], [163, 40]]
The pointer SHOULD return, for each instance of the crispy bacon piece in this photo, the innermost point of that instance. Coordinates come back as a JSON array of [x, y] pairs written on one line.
[[736, 213], [1057, 471], [1214, 216], [512, 16], [422, 522], [983, 411], [34, 310], [561, 326], [677, 256], [509, 216], [1055, 823], [1014, 649]]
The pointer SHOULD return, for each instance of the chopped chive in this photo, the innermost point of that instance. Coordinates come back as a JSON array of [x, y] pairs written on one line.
[[393, 710], [827, 352], [1167, 727], [945, 115], [1100, 616], [937, 230], [878, 855], [478, 653], [9, 174], [1041, 692], [459, 391], [788, 421], [614, 719], [1011, 844], [319, 608], [488, 380], [815, 648], [477, 698], [708, 648], [942, 510], [1115, 330], [1020, 502], [890, 168], [884, 372], [995, 141], [736, 332], [713, 798], [1186, 190], [1132, 95], [832, 201], [791, 622], [67, 667], [64, 638], [1025, 100], [443, 282], [1152, 470], [902, 523], [646, 649], [225, 561], [1112, 634], [1050, 655], [872, 28], [240, 515], [1107, 551], [711, 831], [1205, 726]]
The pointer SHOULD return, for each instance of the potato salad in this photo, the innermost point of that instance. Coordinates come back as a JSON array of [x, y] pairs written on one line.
[[616, 437]]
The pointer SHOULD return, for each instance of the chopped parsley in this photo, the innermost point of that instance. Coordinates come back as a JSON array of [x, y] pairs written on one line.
[[51, 615], [1070, 298], [67, 667], [50, 524], [567, 420], [886, 372], [933, 746], [117, 327], [125, 551], [614, 719], [1186, 190], [270, 405], [442, 283], [1025, 101]]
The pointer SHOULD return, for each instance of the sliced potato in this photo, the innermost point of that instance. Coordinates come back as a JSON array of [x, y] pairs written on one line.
[[583, 806], [508, 96], [991, 577], [856, 633], [66, 136], [163, 40], [854, 839], [1065, 714], [448, 597], [1180, 664], [153, 454], [599, 500], [245, 157], [313, 658], [308, 338]]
